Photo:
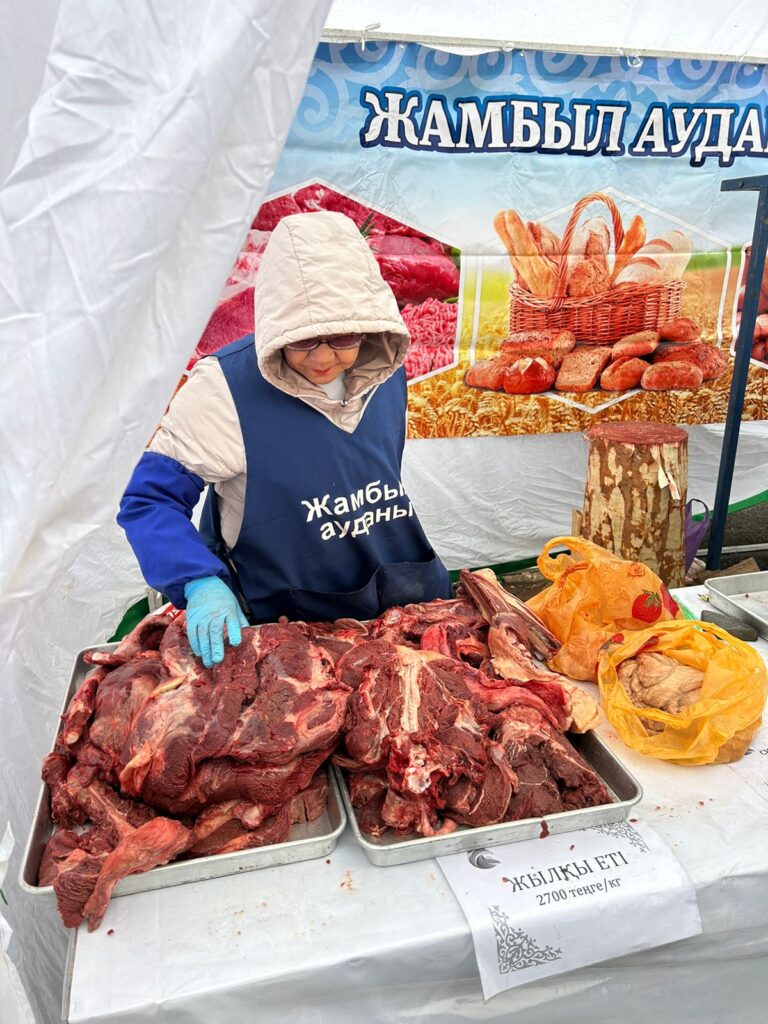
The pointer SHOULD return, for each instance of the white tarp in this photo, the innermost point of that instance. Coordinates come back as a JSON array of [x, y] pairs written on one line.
[[338, 940], [130, 184], [147, 151], [687, 28], [500, 499]]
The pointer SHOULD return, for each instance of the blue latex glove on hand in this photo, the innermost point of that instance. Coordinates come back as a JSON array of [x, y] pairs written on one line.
[[211, 605]]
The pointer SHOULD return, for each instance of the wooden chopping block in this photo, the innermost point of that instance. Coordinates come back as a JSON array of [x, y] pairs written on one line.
[[635, 494]]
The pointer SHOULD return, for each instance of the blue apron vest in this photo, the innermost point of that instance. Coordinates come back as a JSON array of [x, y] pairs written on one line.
[[327, 530]]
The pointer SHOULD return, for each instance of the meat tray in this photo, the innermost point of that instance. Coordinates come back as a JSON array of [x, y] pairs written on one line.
[[744, 597], [625, 791], [306, 840]]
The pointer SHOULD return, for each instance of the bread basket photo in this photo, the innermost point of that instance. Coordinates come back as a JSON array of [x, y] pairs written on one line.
[[608, 315]]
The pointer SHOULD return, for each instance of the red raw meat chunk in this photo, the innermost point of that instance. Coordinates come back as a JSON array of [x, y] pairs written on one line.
[[272, 212], [418, 274], [320, 197], [233, 316], [232, 319]]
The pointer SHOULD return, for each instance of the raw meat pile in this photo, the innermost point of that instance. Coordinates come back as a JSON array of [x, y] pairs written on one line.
[[452, 721], [439, 712], [674, 358], [432, 325], [420, 270], [163, 758]]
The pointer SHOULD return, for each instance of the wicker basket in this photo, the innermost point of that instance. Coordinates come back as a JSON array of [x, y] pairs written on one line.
[[601, 318]]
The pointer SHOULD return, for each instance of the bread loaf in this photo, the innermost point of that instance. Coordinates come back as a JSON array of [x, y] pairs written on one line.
[[658, 261], [588, 272], [681, 329], [634, 238], [623, 374], [672, 376], [547, 242], [581, 369], [552, 345], [710, 360], [640, 344], [528, 377], [537, 272], [488, 373]]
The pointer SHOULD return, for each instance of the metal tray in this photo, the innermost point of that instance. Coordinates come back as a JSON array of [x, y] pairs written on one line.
[[305, 841], [744, 597], [624, 788]]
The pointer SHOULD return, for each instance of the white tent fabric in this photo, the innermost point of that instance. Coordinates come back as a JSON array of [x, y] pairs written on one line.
[[687, 28], [147, 152], [521, 490], [138, 143]]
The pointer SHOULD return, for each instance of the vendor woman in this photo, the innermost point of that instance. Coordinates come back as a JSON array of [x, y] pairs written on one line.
[[299, 430]]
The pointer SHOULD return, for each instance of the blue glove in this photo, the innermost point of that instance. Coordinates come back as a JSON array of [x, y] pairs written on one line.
[[211, 605]]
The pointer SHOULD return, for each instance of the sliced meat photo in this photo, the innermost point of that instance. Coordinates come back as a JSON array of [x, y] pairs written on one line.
[[415, 268], [420, 270]]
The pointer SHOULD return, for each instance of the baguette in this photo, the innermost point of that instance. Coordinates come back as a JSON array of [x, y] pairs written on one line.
[[547, 242], [537, 272], [634, 239]]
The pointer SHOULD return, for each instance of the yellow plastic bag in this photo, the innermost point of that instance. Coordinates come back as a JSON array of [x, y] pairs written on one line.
[[594, 596], [715, 729]]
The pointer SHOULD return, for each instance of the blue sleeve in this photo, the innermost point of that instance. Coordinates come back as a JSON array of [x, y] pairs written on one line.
[[156, 514]]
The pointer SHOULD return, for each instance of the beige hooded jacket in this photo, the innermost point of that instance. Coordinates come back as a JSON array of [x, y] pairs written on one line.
[[318, 277]]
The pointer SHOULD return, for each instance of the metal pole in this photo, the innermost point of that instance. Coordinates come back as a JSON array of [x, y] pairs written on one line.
[[757, 184]]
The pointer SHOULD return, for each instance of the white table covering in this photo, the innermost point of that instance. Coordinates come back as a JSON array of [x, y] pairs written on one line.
[[348, 943]]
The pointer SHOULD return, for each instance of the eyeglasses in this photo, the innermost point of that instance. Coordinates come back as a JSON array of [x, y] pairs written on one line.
[[340, 341]]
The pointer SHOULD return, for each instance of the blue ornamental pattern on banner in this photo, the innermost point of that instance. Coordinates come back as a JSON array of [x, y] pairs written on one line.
[[339, 71]]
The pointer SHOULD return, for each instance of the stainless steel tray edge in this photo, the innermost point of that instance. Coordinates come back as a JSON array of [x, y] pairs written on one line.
[[41, 821], [723, 589], [311, 839], [621, 783], [69, 971]]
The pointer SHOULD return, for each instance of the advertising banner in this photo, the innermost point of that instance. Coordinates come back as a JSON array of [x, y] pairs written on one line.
[[551, 224]]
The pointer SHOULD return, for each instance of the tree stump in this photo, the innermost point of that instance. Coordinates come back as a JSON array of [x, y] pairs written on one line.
[[634, 500]]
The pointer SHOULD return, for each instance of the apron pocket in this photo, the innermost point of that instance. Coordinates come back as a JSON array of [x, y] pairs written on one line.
[[412, 582], [318, 605]]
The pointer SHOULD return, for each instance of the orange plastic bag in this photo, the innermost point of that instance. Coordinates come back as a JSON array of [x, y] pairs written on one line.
[[715, 729], [594, 596]]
